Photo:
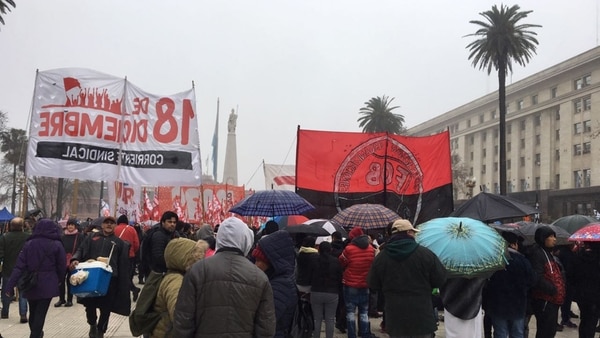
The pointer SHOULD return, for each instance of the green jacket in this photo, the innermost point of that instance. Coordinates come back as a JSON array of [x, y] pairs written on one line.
[[11, 244], [407, 273], [180, 254]]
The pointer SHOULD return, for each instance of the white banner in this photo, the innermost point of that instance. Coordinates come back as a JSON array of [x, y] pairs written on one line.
[[89, 125], [280, 177], [125, 200]]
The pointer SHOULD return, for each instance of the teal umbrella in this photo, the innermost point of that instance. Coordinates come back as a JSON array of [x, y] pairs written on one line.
[[466, 247]]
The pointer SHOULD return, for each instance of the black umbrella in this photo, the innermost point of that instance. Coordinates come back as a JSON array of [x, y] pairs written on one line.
[[527, 231], [573, 223], [488, 207]]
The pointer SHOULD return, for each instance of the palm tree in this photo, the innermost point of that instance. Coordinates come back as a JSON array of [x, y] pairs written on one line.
[[14, 147], [4, 8], [377, 117], [501, 39]]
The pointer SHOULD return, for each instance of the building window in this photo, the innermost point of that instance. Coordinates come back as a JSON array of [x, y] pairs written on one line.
[[557, 114], [577, 179], [557, 154], [471, 171], [537, 183], [578, 106], [522, 142], [495, 133], [557, 181], [522, 161], [510, 187], [553, 92], [508, 164], [519, 104], [583, 82], [496, 188], [557, 134], [577, 150], [587, 126], [538, 139], [508, 146], [523, 184], [483, 136], [534, 99], [481, 118], [538, 159], [578, 128], [508, 129], [469, 123], [587, 177], [587, 147], [523, 124], [496, 166], [483, 169], [587, 103], [471, 140], [495, 150], [493, 115], [537, 120], [471, 156], [484, 153]]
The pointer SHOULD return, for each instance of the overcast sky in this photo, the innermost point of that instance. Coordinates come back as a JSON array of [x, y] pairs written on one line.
[[284, 63]]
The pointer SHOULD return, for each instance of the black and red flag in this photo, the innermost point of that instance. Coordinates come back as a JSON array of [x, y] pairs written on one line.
[[410, 175]]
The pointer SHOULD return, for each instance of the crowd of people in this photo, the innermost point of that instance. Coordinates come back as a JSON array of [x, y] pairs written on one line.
[[232, 281]]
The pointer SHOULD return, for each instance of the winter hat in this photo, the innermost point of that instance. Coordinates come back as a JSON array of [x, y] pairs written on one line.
[[259, 255], [122, 220], [511, 237], [355, 232]]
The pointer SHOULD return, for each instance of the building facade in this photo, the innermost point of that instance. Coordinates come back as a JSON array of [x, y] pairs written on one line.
[[552, 137]]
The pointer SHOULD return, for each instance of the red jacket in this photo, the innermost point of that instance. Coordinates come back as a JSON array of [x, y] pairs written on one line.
[[128, 234], [356, 259]]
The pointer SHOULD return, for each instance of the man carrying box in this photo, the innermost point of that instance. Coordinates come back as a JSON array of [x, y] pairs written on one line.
[[105, 246]]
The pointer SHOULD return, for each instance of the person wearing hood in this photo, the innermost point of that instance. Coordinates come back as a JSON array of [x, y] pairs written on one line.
[[548, 291], [43, 253], [275, 255], [356, 259], [406, 273], [11, 244], [180, 255], [226, 295]]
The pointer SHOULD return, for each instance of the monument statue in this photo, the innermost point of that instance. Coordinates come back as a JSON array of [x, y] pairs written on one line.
[[232, 121]]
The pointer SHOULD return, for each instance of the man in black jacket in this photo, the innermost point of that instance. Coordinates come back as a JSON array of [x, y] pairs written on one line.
[[158, 240]]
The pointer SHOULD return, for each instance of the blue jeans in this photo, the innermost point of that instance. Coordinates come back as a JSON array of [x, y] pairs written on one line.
[[357, 298], [7, 300], [508, 328]]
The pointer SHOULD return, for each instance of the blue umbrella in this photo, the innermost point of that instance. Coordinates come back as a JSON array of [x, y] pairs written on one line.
[[272, 203], [465, 246]]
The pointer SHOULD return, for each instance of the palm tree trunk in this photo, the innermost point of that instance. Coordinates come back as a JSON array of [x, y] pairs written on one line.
[[502, 127]]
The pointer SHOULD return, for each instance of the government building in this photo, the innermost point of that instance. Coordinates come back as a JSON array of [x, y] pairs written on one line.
[[552, 139]]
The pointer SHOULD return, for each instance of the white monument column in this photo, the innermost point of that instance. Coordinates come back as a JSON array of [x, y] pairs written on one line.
[[230, 172]]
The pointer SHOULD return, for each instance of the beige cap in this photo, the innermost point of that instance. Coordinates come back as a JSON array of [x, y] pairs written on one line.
[[402, 225]]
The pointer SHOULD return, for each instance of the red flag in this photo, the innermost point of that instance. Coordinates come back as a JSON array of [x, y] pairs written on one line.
[[410, 175]]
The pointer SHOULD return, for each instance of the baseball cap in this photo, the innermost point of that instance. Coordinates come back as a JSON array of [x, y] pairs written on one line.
[[402, 225]]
